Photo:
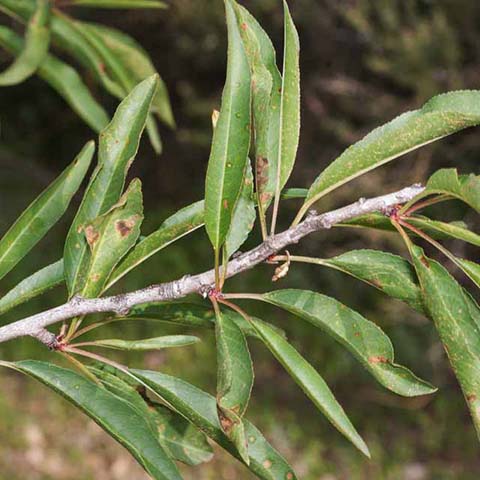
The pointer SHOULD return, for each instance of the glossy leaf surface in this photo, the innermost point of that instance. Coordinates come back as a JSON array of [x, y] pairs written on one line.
[[365, 340], [157, 343], [118, 147], [457, 318], [44, 212], [32, 286], [390, 273], [178, 225], [111, 236], [244, 215], [116, 416], [200, 408], [441, 116], [231, 140], [311, 383], [234, 380], [35, 48]]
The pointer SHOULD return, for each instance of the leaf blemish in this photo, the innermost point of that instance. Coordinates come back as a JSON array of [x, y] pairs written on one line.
[[424, 260], [471, 398], [124, 227], [91, 234], [378, 359]]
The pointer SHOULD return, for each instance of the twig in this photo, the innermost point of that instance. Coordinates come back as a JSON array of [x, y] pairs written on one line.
[[120, 304]]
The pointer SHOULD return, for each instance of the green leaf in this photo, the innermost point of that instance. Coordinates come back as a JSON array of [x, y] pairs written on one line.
[[32, 286], [472, 269], [231, 140], [445, 230], [157, 343], [447, 182], [119, 3], [289, 127], [200, 408], [117, 148], [311, 383], [65, 80], [244, 214], [115, 415], [234, 380], [191, 315], [180, 438], [44, 212], [111, 236], [441, 116], [390, 273], [68, 35], [292, 193], [433, 228], [132, 64], [365, 340], [37, 41], [266, 100], [457, 319], [178, 225], [126, 391]]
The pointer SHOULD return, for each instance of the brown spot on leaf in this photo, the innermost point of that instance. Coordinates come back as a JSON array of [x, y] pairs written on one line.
[[425, 261], [91, 234], [243, 26], [225, 204], [124, 227], [289, 476], [471, 398], [377, 359], [261, 177], [377, 284], [95, 277], [267, 464]]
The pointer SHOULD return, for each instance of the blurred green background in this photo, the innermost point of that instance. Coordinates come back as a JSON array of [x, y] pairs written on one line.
[[363, 62]]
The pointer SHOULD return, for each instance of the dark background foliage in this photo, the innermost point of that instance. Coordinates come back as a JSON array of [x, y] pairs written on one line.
[[363, 62]]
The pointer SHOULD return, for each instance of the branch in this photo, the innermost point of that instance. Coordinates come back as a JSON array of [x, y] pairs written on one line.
[[120, 304]]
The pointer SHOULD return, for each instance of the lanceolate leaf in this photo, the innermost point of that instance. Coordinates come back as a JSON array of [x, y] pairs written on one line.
[[243, 215], [447, 182], [365, 340], [289, 127], [433, 228], [234, 380], [191, 315], [117, 149], [457, 319], [445, 230], [119, 3], [311, 383], [37, 40], [441, 116], [32, 286], [266, 99], [200, 408], [65, 80], [391, 274], [231, 140], [110, 237], [180, 438], [173, 228], [157, 343], [472, 269], [44, 212], [136, 66], [115, 415]]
